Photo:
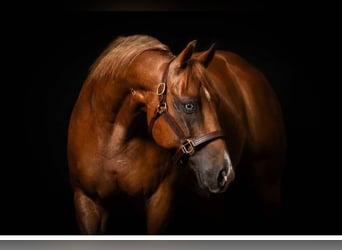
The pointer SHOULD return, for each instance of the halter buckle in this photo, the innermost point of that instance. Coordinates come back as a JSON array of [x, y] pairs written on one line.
[[132, 91], [161, 108], [188, 147], [161, 88]]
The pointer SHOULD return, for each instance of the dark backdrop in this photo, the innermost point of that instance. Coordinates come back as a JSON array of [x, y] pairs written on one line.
[[57, 50]]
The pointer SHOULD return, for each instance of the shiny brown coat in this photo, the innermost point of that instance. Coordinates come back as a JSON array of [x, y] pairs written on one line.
[[110, 151]]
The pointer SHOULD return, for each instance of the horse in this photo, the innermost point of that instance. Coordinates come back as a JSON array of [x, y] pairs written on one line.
[[147, 122]]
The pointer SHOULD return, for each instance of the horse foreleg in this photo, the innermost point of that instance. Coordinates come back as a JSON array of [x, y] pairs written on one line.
[[91, 216], [158, 209]]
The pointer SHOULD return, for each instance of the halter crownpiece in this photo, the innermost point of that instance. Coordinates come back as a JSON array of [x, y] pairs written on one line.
[[189, 146]]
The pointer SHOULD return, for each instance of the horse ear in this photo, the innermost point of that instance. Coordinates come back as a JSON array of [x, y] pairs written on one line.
[[183, 57], [206, 56]]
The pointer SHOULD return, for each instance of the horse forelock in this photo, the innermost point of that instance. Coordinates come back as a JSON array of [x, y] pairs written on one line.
[[116, 58], [195, 77]]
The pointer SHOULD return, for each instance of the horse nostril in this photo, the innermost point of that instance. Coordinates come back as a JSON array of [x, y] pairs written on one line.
[[222, 178]]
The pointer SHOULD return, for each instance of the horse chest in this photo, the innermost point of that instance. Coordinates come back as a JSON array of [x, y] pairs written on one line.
[[135, 171]]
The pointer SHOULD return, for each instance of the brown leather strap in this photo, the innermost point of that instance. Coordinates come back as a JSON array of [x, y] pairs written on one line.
[[189, 147], [175, 127], [162, 111], [157, 113], [162, 106]]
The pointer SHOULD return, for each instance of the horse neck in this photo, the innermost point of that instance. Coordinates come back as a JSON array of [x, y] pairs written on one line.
[[106, 99], [147, 69], [114, 105]]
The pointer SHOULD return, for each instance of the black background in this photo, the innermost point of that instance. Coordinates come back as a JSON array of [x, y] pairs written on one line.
[[55, 49]]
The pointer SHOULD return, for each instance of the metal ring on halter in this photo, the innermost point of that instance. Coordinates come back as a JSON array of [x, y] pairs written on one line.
[[188, 147], [161, 88], [132, 91], [162, 108]]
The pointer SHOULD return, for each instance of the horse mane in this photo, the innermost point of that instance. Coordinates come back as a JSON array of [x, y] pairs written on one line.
[[116, 58]]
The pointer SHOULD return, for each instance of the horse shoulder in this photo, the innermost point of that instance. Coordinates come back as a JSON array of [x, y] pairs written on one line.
[[231, 111], [261, 105], [263, 155]]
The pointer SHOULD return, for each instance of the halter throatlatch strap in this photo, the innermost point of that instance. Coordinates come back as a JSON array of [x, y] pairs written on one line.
[[161, 93], [188, 146]]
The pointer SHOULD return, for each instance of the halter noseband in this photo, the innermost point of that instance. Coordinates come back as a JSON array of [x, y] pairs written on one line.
[[188, 146]]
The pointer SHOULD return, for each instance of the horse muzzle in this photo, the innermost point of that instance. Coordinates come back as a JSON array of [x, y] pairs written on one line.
[[216, 183]]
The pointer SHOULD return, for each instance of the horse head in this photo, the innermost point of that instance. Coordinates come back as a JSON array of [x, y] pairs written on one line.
[[186, 119]]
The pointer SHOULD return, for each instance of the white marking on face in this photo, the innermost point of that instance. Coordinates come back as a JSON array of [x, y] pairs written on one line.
[[207, 95], [227, 159]]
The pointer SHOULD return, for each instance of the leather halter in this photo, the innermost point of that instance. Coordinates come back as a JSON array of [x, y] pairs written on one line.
[[188, 146]]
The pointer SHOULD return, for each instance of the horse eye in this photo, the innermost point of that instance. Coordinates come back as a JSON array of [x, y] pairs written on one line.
[[189, 107]]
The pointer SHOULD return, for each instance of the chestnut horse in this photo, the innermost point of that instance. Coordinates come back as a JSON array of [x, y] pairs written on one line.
[[144, 115]]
